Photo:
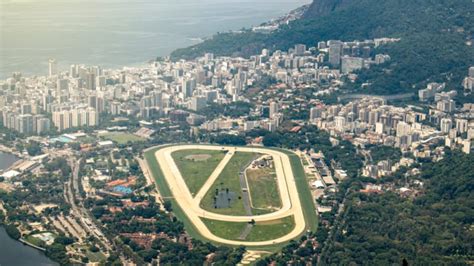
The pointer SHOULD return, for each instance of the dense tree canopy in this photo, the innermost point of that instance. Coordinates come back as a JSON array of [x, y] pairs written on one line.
[[432, 229]]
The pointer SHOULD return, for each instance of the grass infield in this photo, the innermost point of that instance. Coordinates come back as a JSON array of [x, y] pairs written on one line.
[[260, 231], [196, 166], [229, 179]]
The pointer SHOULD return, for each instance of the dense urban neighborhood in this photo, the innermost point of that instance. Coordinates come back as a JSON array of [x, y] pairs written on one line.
[[119, 166]]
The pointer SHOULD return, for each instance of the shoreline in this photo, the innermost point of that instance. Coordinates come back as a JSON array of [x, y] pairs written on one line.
[[38, 251], [152, 58]]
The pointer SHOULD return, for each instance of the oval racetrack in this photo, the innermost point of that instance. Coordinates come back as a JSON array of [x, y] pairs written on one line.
[[191, 205]]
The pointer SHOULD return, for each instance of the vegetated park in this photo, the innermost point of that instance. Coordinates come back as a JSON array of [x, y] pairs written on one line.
[[245, 173], [122, 138]]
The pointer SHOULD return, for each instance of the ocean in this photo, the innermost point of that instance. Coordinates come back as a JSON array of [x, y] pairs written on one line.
[[116, 33]]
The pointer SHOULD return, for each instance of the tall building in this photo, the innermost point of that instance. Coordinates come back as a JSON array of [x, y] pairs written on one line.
[[446, 106], [335, 51], [188, 86], [73, 71], [273, 109], [25, 124], [115, 108], [197, 103], [62, 85], [321, 45], [26, 109], [42, 125], [90, 81], [77, 117], [446, 125], [208, 57], [52, 67], [403, 129], [461, 125], [340, 123], [47, 100], [300, 49]]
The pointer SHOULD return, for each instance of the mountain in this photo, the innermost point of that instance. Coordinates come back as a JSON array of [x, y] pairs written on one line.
[[325, 7], [434, 39]]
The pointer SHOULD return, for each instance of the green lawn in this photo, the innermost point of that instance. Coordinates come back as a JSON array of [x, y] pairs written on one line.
[[195, 167], [95, 256], [122, 138], [260, 231], [35, 241], [263, 189], [229, 178], [226, 230], [307, 201], [271, 229]]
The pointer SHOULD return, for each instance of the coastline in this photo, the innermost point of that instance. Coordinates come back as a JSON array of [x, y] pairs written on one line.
[[42, 251], [136, 44]]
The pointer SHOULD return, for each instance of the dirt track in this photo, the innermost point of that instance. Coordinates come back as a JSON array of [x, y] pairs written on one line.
[[289, 194]]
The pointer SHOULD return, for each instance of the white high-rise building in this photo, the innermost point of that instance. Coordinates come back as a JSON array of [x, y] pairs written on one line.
[[197, 103], [340, 122], [461, 125], [77, 117], [273, 109], [446, 125], [52, 67], [403, 129]]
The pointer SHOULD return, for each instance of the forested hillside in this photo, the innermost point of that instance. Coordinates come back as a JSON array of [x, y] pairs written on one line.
[[434, 47], [432, 229]]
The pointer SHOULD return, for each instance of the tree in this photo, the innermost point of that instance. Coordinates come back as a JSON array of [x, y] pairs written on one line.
[[167, 205], [12, 231], [33, 148], [63, 240]]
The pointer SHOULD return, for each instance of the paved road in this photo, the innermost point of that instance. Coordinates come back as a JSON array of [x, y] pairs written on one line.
[[291, 204], [245, 194]]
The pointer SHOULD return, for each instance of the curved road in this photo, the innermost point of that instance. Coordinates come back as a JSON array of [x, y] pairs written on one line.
[[289, 194]]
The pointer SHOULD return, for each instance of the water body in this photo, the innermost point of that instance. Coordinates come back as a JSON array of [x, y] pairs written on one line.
[[13, 252], [114, 33]]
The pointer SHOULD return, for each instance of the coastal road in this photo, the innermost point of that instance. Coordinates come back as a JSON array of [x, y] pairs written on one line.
[[291, 205]]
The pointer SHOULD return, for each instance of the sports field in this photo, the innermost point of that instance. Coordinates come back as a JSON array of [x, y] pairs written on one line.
[[122, 138], [281, 205]]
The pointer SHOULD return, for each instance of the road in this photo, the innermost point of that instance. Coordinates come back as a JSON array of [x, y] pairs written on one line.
[[71, 193], [291, 205]]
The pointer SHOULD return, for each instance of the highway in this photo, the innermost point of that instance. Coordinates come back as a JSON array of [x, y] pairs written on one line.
[[71, 193]]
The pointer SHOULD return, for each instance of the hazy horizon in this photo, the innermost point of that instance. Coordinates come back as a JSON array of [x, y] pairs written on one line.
[[114, 33]]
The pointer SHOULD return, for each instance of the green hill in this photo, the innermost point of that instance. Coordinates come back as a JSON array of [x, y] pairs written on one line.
[[434, 41]]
